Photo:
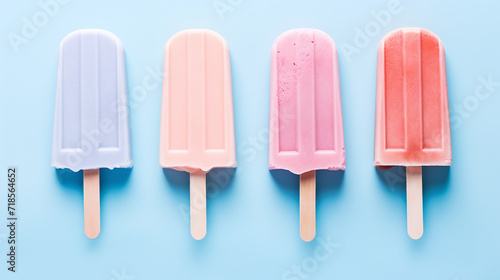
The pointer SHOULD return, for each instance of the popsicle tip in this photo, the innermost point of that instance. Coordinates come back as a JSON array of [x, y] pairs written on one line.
[[407, 29], [198, 234], [317, 33], [416, 234], [92, 234], [78, 32], [182, 33], [307, 236]]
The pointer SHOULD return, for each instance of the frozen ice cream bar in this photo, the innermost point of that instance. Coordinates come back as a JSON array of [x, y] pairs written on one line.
[[197, 122], [91, 126], [412, 115], [305, 129]]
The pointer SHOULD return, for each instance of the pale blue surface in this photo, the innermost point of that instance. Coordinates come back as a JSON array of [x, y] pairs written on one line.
[[253, 220]]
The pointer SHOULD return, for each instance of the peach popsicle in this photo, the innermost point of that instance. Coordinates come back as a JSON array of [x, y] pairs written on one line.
[[197, 122], [412, 115], [305, 129]]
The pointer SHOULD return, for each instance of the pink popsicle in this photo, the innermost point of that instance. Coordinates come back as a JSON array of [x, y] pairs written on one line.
[[197, 123], [305, 129], [412, 116]]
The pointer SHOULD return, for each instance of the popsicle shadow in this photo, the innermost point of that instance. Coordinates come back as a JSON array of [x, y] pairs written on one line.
[[217, 179], [327, 182], [288, 182], [434, 179], [109, 179], [393, 180], [114, 180], [179, 180], [70, 179]]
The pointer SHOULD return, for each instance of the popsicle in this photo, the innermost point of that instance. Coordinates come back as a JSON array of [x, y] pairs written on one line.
[[197, 122], [412, 115], [91, 126], [305, 128]]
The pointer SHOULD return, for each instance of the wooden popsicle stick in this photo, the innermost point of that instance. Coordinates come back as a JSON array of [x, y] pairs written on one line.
[[308, 205], [415, 216], [91, 204], [198, 203]]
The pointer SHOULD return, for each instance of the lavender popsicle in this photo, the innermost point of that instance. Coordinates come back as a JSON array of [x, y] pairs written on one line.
[[91, 126]]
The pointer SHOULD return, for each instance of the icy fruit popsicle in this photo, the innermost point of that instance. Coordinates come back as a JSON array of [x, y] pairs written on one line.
[[305, 129], [197, 122], [91, 126], [412, 115]]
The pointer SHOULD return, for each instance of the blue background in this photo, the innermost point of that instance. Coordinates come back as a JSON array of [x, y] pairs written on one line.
[[253, 219]]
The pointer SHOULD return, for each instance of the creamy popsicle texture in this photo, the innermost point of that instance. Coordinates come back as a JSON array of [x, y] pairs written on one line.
[[305, 128], [197, 122], [306, 131], [412, 117], [91, 126]]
